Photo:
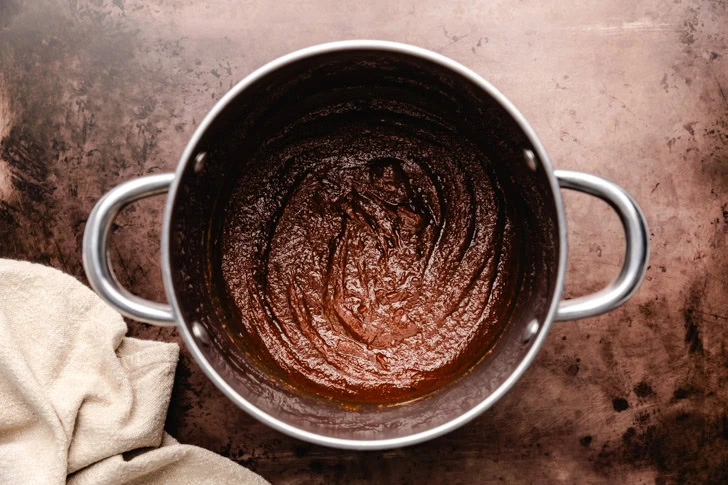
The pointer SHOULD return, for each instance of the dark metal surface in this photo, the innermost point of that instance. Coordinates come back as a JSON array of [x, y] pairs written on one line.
[[95, 92]]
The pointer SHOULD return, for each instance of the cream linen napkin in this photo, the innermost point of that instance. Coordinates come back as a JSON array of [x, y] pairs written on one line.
[[81, 402]]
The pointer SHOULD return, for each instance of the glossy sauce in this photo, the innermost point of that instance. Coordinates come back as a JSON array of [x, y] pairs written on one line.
[[370, 263]]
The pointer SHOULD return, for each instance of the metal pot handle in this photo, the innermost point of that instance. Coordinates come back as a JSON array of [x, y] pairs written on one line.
[[95, 254], [636, 252]]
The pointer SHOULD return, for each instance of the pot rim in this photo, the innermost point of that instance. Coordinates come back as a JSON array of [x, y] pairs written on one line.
[[187, 157]]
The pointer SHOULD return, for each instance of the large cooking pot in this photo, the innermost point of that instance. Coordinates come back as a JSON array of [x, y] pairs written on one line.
[[307, 95]]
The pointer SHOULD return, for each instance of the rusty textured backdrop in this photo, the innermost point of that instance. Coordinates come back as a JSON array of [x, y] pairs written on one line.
[[94, 92]]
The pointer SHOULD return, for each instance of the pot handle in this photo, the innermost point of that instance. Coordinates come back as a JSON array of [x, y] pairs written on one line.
[[95, 250], [636, 252]]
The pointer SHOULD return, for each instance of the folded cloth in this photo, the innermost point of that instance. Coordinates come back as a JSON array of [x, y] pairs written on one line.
[[79, 401]]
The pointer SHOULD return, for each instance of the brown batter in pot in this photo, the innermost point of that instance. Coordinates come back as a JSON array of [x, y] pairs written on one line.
[[370, 259]]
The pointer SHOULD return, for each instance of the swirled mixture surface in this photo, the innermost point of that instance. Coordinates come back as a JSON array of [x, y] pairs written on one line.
[[370, 265]]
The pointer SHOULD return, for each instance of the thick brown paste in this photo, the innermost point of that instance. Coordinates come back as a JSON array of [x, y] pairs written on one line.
[[370, 264]]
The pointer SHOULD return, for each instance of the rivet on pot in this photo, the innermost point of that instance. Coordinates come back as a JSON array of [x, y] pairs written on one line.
[[530, 159], [200, 160], [531, 331], [200, 333]]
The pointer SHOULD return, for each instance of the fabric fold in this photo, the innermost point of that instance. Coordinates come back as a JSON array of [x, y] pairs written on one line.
[[82, 401]]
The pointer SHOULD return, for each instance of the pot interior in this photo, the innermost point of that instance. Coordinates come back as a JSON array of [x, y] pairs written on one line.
[[345, 136]]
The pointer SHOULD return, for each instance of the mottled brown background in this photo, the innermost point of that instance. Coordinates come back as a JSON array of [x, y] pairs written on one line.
[[94, 92]]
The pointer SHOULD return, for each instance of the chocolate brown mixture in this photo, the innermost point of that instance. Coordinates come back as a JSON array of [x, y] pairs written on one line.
[[370, 262]]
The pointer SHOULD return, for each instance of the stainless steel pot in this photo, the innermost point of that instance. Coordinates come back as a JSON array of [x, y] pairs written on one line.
[[190, 220]]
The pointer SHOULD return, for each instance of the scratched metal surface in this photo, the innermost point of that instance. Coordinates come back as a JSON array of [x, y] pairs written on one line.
[[94, 92]]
